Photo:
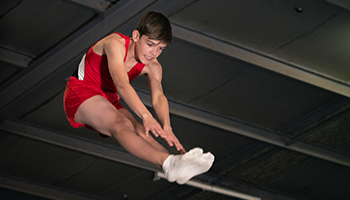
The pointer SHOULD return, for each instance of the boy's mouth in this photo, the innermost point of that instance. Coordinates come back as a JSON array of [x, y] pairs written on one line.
[[148, 58]]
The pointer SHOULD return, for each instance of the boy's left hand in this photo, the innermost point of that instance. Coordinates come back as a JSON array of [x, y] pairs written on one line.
[[172, 140]]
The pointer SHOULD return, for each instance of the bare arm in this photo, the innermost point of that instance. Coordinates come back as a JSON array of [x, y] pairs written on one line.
[[115, 52], [161, 106]]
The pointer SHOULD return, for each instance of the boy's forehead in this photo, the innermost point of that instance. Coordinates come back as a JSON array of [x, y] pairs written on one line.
[[157, 42]]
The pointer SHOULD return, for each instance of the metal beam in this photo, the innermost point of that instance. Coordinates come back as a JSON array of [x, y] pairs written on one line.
[[109, 152], [211, 188], [97, 5], [14, 58], [264, 61], [40, 190], [100, 5], [105, 151], [341, 3], [251, 131]]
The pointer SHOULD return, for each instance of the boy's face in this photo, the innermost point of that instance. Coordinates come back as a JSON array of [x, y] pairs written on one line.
[[148, 49]]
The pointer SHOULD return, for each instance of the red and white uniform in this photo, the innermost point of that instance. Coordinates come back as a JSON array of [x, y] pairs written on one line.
[[93, 78]]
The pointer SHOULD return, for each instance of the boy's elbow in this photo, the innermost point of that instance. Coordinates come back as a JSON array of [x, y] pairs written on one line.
[[158, 99], [122, 87]]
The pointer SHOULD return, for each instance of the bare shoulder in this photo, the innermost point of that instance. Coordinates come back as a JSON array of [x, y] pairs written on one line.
[[109, 44], [153, 69], [115, 38]]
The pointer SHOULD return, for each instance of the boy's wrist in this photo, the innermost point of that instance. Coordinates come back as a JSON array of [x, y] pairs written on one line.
[[167, 127], [146, 115]]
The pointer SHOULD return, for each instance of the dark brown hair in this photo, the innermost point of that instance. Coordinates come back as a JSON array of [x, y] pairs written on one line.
[[156, 26]]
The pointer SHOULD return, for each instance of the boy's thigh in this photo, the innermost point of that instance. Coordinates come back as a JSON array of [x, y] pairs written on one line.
[[98, 113]]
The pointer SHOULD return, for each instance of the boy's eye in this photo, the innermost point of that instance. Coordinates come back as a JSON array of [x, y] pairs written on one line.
[[149, 44]]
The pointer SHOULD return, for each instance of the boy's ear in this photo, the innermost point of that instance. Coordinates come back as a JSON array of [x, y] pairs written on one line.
[[135, 35]]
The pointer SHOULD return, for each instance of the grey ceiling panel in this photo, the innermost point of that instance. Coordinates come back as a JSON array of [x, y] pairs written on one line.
[[311, 180], [7, 72], [264, 98], [193, 134], [312, 17], [8, 194], [258, 25], [333, 134], [324, 51], [8, 5], [31, 32], [37, 161]]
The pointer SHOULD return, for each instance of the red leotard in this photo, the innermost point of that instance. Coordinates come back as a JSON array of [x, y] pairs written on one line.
[[96, 81]]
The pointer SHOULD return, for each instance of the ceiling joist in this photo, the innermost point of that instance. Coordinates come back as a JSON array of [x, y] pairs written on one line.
[[264, 61], [14, 58], [251, 131], [341, 3], [96, 5], [113, 153], [41, 190]]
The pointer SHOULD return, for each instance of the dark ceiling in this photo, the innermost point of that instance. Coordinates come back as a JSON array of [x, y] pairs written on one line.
[[262, 84]]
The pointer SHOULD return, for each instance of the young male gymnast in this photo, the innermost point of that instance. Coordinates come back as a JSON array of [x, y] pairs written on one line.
[[92, 95]]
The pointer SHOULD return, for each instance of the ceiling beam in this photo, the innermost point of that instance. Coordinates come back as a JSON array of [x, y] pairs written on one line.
[[96, 5], [215, 189], [105, 151], [40, 190], [260, 60], [341, 3], [251, 131], [109, 152], [14, 58]]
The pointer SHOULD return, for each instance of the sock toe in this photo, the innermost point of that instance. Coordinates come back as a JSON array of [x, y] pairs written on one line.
[[198, 166], [208, 156]]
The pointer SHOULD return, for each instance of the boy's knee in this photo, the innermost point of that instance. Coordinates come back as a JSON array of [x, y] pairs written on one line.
[[121, 125]]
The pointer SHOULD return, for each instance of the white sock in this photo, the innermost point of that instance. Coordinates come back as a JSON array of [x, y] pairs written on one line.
[[181, 168], [201, 165]]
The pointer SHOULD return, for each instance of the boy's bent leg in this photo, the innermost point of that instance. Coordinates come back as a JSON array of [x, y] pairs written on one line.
[[101, 115], [140, 131]]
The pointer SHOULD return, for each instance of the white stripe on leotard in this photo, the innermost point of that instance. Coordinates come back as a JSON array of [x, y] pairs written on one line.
[[81, 68]]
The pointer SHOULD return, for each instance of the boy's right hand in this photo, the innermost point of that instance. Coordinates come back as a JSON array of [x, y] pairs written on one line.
[[151, 124]]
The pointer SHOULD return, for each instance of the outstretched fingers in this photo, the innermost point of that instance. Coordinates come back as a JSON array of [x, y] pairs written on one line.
[[173, 141]]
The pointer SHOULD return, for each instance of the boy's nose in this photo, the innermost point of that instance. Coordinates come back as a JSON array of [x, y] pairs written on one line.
[[153, 51]]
